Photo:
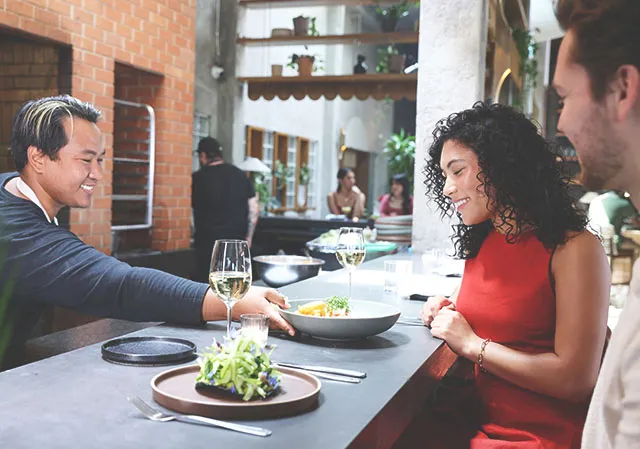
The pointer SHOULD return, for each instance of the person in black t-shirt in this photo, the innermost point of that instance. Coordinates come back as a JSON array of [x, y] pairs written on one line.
[[225, 205]]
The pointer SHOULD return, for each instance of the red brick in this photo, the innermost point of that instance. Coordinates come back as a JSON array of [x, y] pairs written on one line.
[[21, 8], [46, 17], [94, 6], [94, 32], [83, 17], [60, 6], [93, 60], [105, 24]]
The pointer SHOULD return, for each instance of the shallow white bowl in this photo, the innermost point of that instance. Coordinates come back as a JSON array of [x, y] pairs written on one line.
[[367, 318]]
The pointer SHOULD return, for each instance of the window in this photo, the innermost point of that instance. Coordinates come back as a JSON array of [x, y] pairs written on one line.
[[293, 153], [291, 164], [201, 128], [312, 164]]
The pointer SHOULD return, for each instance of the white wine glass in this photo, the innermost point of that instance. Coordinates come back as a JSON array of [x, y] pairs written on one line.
[[230, 273], [350, 250]]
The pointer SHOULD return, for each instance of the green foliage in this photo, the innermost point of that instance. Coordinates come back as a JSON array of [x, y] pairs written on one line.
[[261, 187], [400, 151], [527, 48], [283, 174], [313, 31], [398, 10], [383, 58], [304, 176], [6, 325]]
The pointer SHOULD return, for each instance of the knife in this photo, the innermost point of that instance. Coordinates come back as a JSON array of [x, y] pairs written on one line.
[[410, 323], [324, 369], [350, 380]]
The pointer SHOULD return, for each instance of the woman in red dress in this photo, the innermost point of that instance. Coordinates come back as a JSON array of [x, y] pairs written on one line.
[[531, 311], [399, 201]]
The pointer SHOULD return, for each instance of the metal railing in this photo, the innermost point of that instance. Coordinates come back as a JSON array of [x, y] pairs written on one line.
[[151, 153]]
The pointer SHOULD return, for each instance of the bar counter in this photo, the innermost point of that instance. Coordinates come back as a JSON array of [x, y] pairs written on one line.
[[76, 399]]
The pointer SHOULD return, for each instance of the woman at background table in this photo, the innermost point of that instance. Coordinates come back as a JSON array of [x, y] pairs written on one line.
[[400, 200], [531, 311], [348, 199]]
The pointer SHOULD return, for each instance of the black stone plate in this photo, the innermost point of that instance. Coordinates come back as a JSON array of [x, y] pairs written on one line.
[[148, 350]]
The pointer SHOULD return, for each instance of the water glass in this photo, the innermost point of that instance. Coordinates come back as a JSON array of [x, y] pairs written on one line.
[[396, 272], [255, 326]]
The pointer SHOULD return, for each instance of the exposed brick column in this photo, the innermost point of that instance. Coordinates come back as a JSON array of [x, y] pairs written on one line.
[[156, 36], [27, 70]]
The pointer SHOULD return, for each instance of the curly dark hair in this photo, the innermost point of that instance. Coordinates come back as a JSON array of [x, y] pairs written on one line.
[[522, 176]]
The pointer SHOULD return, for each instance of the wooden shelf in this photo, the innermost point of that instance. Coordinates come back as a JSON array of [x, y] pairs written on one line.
[[377, 86], [353, 39], [306, 3]]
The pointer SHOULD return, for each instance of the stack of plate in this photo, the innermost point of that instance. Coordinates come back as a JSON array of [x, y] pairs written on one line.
[[395, 229]]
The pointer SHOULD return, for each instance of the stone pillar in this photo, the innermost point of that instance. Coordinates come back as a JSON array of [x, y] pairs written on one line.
[[450, 78]]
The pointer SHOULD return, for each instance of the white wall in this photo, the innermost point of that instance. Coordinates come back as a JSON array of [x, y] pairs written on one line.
[[319, 120]]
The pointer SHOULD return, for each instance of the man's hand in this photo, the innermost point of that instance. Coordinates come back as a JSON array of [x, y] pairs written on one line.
[[260, 300]]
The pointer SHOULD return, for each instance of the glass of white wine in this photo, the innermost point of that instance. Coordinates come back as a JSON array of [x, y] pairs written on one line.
[[230, 273], [350, 250]]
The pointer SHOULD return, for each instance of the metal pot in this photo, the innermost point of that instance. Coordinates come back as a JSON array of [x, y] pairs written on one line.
[[277, 271]]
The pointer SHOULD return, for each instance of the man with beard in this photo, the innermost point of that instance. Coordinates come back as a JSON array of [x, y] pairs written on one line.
[[598, 80]]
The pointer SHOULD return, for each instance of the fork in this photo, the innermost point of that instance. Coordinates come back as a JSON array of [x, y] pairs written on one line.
[[156, 415]]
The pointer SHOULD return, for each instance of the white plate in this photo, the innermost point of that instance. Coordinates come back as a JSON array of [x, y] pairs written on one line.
[[367, 318]]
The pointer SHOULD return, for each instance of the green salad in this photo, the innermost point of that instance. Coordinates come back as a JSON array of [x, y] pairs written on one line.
[[240, 366]]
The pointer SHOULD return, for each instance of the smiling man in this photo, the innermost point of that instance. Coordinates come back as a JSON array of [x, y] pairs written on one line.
[[57, 149], [598, 79]]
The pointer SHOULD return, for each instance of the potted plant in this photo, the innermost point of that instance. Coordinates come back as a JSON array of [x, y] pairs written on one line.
[[282, 174], [390, 60], [262, 189], [304, 64], [304, 176], [389, 15], [400, 151], [301, 26]]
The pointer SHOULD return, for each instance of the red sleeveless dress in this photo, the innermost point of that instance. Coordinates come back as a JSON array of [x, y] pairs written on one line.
[[506, 295]]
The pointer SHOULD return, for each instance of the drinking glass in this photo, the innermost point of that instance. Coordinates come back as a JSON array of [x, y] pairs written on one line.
[[350, 250], [255, 326], [230, 274]]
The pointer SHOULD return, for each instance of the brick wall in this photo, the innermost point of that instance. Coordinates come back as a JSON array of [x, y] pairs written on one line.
[[154, 36], [27, 70]]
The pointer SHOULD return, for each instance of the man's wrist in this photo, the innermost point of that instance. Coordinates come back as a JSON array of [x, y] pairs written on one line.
[[213, 308]]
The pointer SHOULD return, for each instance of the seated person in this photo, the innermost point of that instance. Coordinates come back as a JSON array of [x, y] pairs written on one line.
[[610, 209], [347, 199], [531, 311], [58, 152], [399, 201]]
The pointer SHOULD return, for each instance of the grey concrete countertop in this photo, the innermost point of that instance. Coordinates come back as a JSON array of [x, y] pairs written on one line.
[[77, 399]]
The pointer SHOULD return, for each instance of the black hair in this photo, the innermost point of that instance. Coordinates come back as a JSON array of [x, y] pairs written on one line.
[[519, 172], [402, 179], [342, 173], [40, 123], [211, 148]]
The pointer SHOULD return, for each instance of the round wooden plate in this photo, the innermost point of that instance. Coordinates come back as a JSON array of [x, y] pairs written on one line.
[[176, 390]]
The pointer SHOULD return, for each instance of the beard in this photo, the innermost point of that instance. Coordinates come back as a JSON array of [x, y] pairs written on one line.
[[600, 154]]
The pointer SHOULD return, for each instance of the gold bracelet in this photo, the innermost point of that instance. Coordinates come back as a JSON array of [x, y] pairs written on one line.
[[483, 346]]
